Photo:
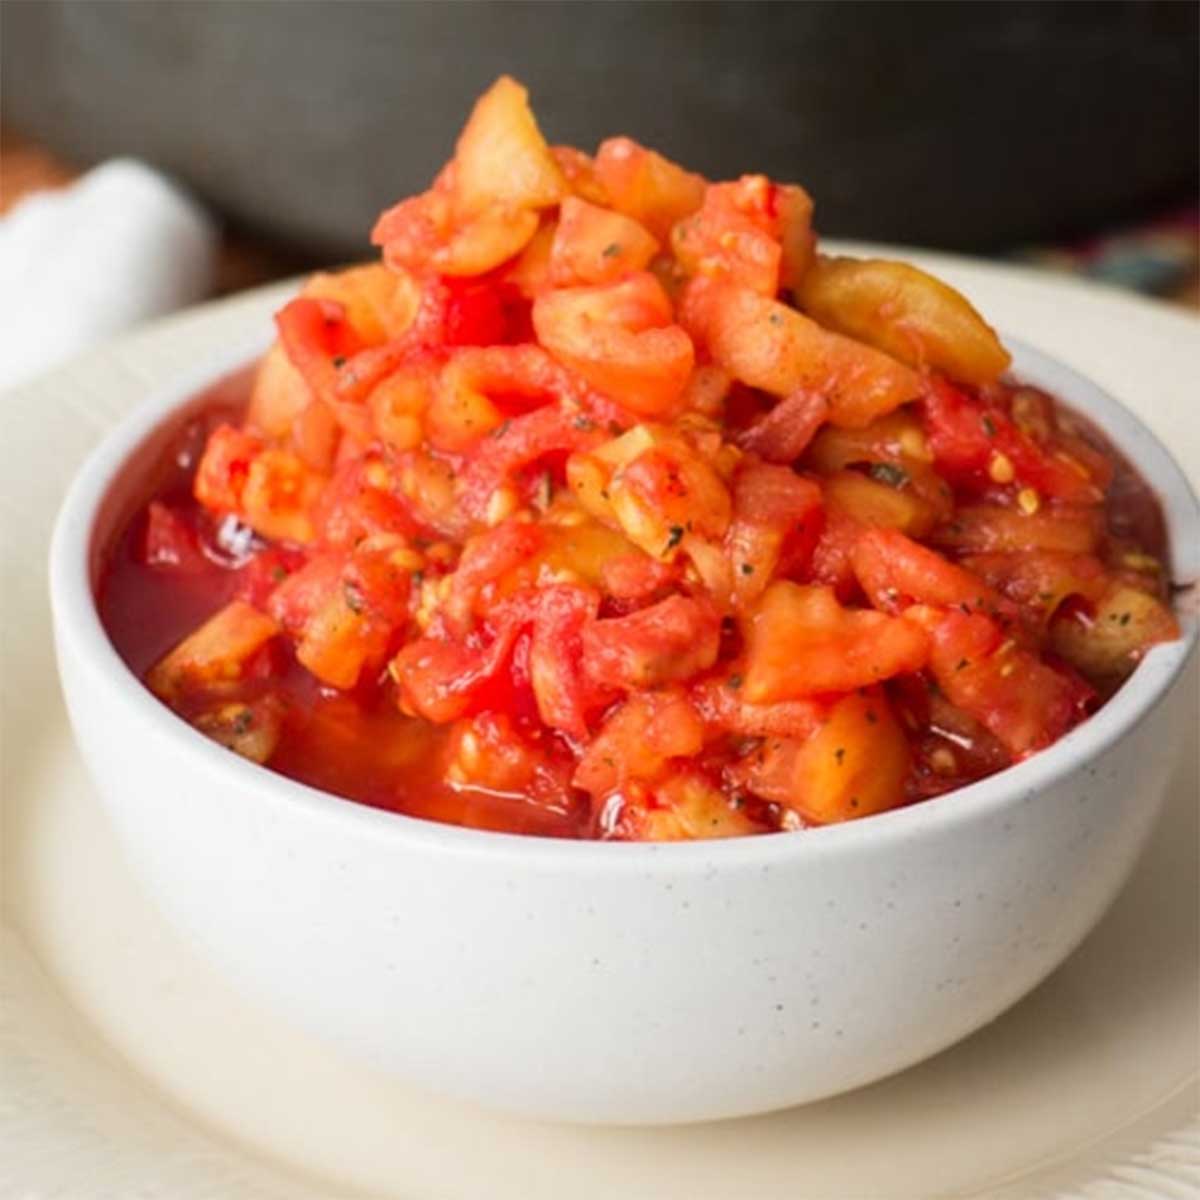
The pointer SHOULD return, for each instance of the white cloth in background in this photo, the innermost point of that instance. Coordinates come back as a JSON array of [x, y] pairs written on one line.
[[80, 264]]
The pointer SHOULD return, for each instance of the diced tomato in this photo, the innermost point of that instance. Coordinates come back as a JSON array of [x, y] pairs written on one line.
[[486, 559], [686, 807], [224, 468], [731, 237], [1040, 581], [501, 157], [768, 345], [801, 642], [216, 655], [978, 446], [906, 313], [170, 541], [516, 445], [831, 557], [645, 186], [672, 640], [777, 519], [596, 245], [637, 578], [896, 572], [1024, 701], [558, 614], [358, 504], [853, 765], [1107, 639], [443, 680], [638, 740], [619, 338]]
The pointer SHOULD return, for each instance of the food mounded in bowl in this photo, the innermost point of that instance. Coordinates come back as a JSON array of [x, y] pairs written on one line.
[[566, 519], [635, 982]]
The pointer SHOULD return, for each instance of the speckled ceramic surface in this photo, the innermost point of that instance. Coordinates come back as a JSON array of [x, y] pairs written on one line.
[[1096, 1070]]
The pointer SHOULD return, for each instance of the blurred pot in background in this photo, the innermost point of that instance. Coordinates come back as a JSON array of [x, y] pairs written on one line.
[[956, 125]]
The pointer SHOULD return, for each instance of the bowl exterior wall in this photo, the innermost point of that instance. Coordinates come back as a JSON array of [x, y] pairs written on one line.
[[675, 988]]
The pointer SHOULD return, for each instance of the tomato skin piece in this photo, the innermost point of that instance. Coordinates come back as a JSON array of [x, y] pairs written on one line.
[[784, 433], [801, 642], [619, 338], [672, 640], [896, 572], [1023, 701], [723, 708], [636, 578]]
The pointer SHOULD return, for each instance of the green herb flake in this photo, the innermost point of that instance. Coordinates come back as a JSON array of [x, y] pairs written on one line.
[[674, 537], [584, 423], [734, 682], [501, 429], [339, 361], [353, 596], [840, 755], [989, 426], [243, 722], [611, 250], [747, 568], [278, 574]]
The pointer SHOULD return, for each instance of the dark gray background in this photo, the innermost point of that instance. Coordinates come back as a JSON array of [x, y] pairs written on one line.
[[969, 125]]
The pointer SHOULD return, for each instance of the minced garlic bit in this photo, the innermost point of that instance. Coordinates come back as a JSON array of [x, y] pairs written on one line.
[[1001, 468], [1028, 501], [503, 503]]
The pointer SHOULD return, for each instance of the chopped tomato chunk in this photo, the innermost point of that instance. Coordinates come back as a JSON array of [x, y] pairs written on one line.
[[802, 642]]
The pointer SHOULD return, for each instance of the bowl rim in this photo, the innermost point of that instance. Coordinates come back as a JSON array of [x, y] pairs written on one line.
[[80, 636]]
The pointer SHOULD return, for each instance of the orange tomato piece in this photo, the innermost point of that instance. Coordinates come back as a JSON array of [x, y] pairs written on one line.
[[619, 337], [801, 642], [768, 345], [644, 185], [896, 572], [216, 654], [638, 740], [731, 236], [501, 158], [597, 245], [854, 764], [904, 312]]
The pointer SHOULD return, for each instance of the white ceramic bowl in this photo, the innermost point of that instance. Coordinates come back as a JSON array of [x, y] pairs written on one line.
[[610, 982]]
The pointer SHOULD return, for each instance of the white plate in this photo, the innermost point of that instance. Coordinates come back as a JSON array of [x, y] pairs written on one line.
[[129, 1066]]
